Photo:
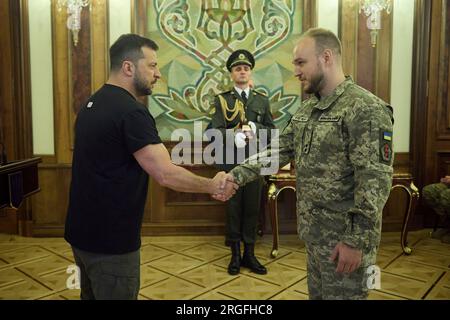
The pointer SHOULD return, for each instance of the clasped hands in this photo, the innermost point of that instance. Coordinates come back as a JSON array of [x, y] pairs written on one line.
[[223, 186]]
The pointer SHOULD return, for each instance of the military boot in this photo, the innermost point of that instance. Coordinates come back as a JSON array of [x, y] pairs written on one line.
[[249, 260], [235, 263]]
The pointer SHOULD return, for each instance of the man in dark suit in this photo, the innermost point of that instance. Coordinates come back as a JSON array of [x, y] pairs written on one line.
[[247, 113]]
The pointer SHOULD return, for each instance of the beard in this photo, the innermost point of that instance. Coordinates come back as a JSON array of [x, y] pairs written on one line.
[[316, 83], [141, 86]]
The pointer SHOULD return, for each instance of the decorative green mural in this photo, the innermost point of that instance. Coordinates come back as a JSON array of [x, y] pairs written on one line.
[[195, 39]]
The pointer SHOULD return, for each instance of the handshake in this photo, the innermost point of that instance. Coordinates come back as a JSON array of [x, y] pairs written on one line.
[[223, 186]]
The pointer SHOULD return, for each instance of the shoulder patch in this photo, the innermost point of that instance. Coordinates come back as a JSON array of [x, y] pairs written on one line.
[[260, 93], [385, 146]]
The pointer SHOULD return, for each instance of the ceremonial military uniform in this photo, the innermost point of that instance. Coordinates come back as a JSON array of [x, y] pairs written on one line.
[[342, 146], [243, 208]]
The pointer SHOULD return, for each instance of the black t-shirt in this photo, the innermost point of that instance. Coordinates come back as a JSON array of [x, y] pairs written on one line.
[[109, 189]]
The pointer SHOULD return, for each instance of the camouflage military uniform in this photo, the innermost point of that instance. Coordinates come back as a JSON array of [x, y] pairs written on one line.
[[342, 146], [437, 195], [243, 207]]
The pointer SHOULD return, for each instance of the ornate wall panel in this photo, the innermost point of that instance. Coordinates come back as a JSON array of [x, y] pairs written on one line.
[[196, 38]]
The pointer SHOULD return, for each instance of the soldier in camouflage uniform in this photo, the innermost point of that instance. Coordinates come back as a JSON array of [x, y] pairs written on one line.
[[236, 110], [341, 141], [437, 196]]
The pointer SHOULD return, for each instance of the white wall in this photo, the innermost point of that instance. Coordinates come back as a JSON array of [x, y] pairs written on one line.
[[328, 14], [119, 19], [39, 12], [402, 52]]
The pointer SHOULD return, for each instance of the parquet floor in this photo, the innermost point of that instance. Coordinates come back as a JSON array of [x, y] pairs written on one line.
[[195, 268]]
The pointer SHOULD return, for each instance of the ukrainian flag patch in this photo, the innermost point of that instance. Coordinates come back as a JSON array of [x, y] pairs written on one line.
[[385, 148]]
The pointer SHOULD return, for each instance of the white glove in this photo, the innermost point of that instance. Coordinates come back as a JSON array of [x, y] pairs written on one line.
[[249, 130], [239, 140], [253, 126]]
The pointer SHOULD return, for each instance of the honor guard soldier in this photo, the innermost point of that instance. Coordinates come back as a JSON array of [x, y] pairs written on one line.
[[247, 113]]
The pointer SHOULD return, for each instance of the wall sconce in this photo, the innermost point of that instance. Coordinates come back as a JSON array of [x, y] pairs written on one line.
[[74, 8], [372, 9]]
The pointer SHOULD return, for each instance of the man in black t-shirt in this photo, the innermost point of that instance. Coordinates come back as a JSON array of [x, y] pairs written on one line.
[[116, 147]]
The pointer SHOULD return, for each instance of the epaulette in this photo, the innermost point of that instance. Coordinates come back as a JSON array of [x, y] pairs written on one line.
[[260, 93], [223, 92]]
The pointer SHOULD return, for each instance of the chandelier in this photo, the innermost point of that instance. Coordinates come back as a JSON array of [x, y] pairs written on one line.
[[74, 8], [372, 9]]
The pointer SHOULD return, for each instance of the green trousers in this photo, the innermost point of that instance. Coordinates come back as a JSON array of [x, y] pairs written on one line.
[[243, 211], [107, 276]]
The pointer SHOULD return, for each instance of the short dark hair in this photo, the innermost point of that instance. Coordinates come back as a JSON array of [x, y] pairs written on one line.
[[129, 47], [325, 39]]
